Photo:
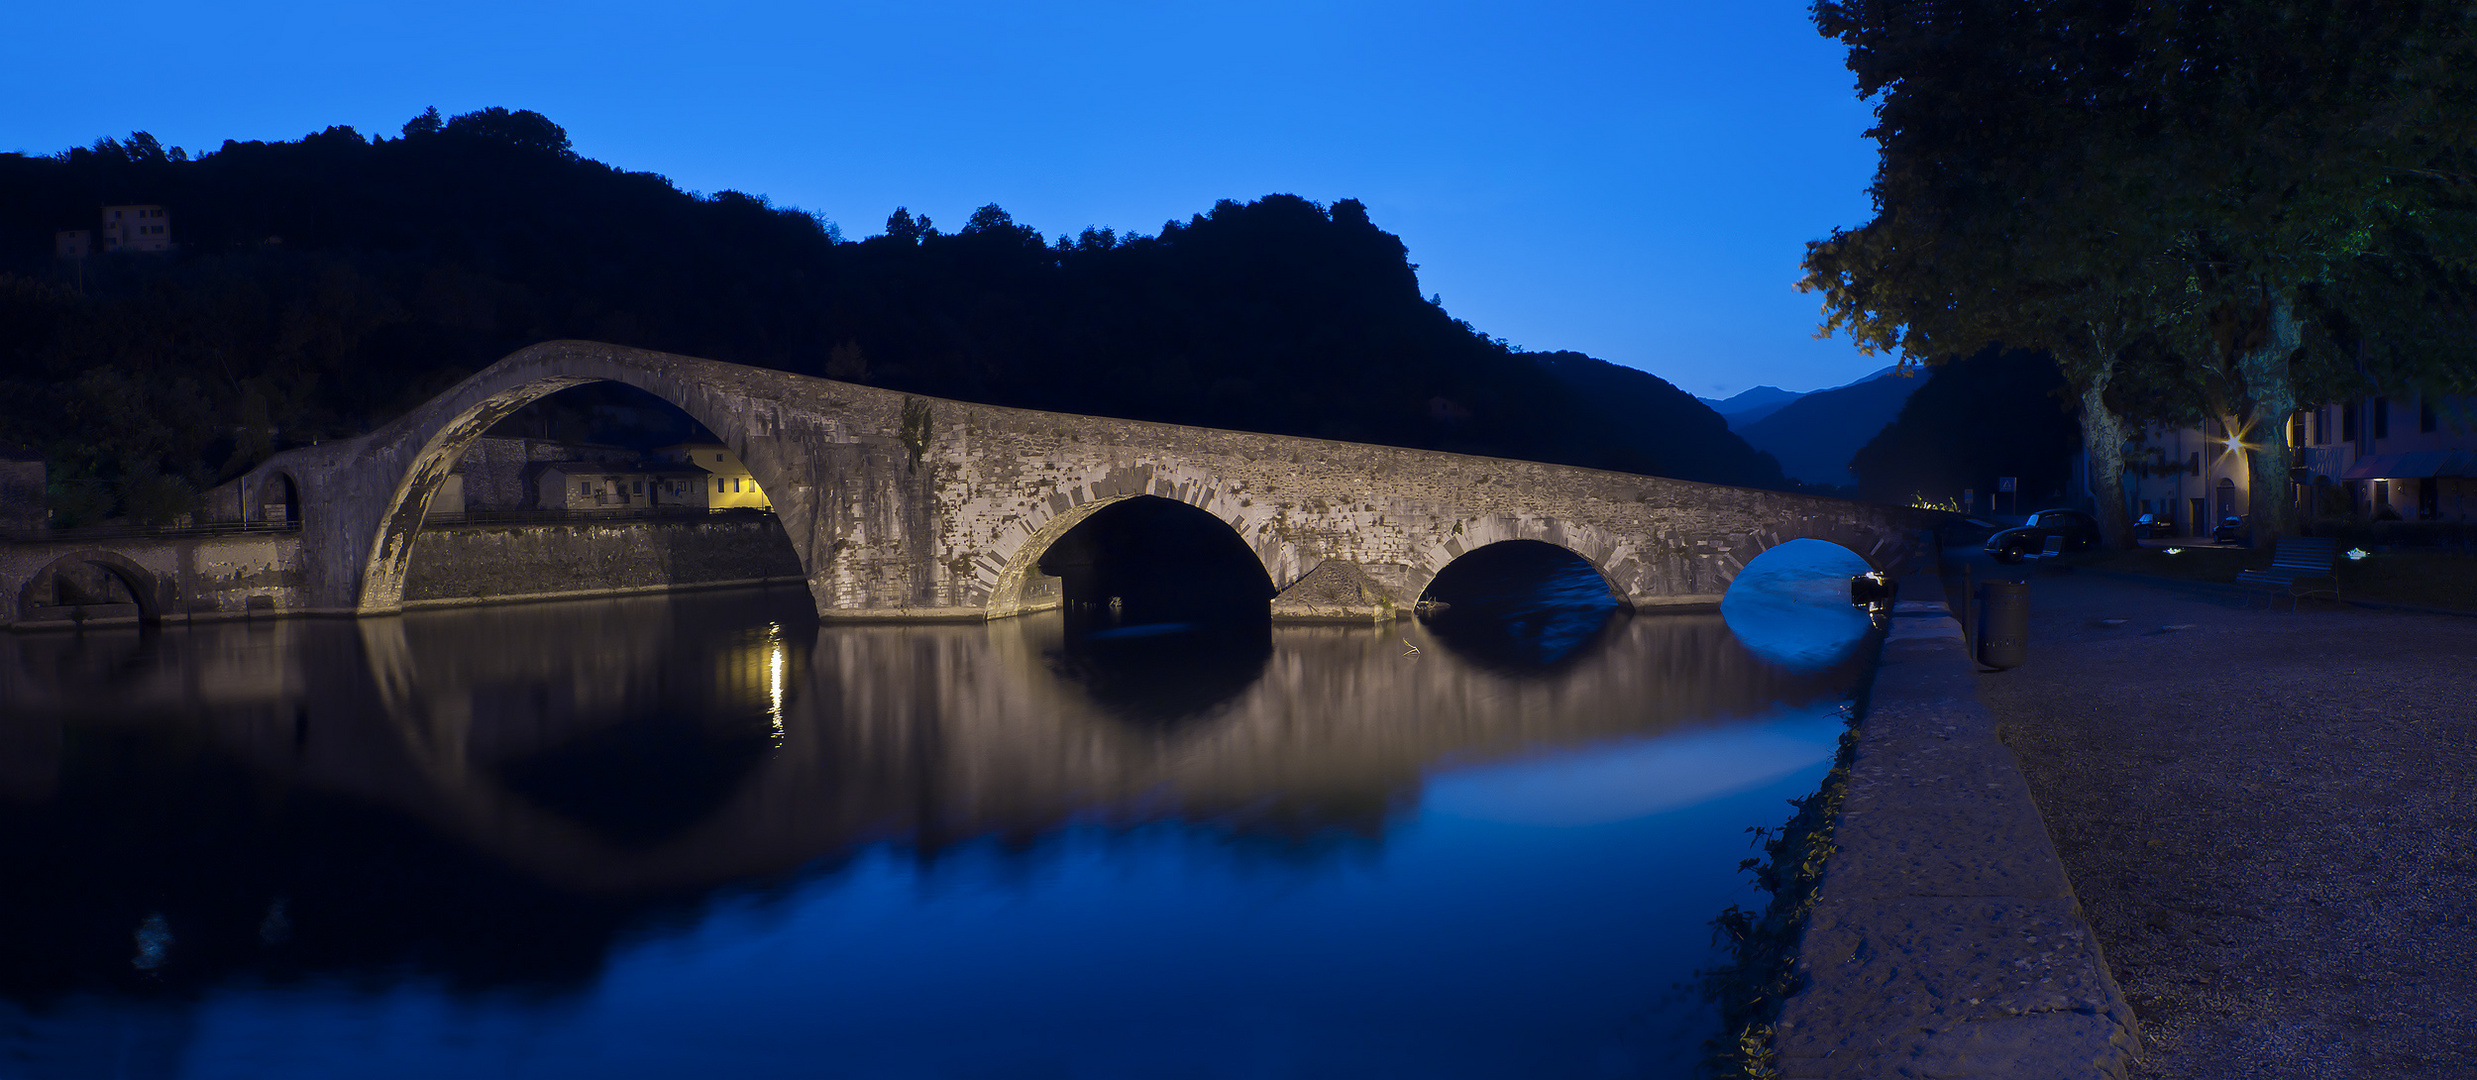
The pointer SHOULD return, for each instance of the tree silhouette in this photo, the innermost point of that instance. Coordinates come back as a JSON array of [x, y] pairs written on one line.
[[323, 286]]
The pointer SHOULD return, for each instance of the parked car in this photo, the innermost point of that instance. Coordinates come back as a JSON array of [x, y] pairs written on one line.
[[2152, 526], [2231, 530], [2079, 530]]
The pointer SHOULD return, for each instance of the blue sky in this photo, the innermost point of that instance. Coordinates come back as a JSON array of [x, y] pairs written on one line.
[[1634, 181]]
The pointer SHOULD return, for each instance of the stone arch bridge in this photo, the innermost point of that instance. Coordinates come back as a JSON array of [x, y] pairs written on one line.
[[921, 508]]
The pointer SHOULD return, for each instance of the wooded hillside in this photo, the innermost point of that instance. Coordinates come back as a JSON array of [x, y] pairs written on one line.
[[323, 286]]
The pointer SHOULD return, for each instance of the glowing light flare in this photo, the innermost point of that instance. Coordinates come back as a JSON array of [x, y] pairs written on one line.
[[2175, 551], [2236, 434], [2357, 554], [774, 678]]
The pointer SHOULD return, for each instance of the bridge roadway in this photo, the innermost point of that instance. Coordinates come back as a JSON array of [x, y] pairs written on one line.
[[903, 507]]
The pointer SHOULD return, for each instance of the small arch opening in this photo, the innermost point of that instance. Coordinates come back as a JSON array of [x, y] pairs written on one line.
[[1791, 605], [1151, 564], [1168, 614], [279, 501], [1523, 605], [90, 589]]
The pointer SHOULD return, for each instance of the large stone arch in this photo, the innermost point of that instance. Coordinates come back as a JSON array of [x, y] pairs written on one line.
[[153, 595], [440, 432], [1284, 562]]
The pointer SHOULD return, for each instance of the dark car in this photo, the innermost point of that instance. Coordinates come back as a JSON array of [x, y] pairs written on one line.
[[2152, 526], [2079, 530], [2231, 530]]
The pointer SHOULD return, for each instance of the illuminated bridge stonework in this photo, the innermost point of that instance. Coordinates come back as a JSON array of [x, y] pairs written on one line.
[[950, 521]]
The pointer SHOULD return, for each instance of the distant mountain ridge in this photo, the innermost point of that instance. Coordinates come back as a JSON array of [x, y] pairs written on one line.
[[1814, 436], [1752, 405]]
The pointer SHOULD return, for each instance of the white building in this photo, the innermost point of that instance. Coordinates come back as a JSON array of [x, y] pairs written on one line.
[[136, 228], [2410, 458]]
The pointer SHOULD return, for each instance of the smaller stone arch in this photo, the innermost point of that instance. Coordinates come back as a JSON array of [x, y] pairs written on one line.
[[1791, 605], [279, 499], [59, 593], [1015, 588], [1612, 556]]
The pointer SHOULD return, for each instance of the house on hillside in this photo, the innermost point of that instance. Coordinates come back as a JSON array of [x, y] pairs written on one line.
[[136, 228], [2410, 458]]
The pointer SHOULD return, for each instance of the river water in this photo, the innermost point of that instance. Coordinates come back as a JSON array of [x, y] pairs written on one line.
[[700, 835]]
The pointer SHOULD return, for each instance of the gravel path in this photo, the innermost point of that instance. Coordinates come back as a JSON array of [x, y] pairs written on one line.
[[2270, 819]]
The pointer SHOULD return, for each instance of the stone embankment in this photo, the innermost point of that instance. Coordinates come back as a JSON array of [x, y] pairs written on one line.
[[461, 565], [204, 575], [1945, 940]]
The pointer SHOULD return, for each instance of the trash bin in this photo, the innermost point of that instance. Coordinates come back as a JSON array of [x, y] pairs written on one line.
[[2003, 624]]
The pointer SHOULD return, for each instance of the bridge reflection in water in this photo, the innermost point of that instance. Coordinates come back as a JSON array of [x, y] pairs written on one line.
[[520, 797]]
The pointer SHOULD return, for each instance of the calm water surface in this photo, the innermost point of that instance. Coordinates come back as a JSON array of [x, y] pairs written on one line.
[[700, 835]]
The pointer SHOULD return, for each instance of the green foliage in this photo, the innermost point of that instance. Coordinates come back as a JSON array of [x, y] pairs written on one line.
[[2251, 199], [325, 285]]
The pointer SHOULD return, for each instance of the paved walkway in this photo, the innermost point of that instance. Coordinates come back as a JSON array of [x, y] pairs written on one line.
[[2270, 820]]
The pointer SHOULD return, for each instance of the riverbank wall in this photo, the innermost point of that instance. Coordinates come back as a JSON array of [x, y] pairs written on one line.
[[1945, 939], [75, 582], [462, 565]]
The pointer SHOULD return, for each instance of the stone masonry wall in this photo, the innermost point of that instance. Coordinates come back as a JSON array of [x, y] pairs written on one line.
[[464, 564], [173, 578]]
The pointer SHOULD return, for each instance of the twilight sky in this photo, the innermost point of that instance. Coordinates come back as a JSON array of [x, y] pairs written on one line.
[[1632, 180]]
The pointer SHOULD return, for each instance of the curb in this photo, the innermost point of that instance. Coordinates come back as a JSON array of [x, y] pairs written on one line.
[[1945, 939]]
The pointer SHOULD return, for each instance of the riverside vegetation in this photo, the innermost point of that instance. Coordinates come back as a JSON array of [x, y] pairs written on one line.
[[1761, 970]]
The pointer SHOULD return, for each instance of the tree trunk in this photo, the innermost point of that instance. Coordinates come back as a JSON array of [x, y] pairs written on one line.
[[2270, 399], [2102, 440]]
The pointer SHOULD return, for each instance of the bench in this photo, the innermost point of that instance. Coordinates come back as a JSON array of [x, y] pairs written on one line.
[[2300, 567]]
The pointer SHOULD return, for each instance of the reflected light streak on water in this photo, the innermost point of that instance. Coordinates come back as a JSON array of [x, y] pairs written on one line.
[[774, 678], [592, 840]]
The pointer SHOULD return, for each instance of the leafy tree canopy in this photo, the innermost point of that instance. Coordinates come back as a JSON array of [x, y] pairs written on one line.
[[2251, 199]]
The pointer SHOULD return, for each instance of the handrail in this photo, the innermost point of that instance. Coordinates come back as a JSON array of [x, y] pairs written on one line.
[[146, 532], [469, 517], [588, 514]]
